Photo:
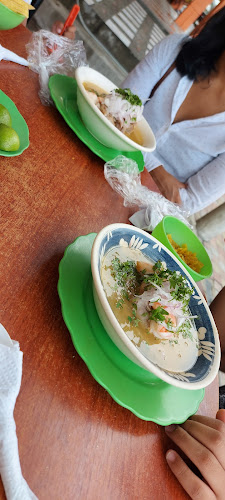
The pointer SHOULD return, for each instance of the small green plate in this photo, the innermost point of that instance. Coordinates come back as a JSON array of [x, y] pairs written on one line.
[[18, 123], [128, 384], [63, 90]]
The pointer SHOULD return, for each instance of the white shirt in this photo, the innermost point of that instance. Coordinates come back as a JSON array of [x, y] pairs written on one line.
[[191, 150]]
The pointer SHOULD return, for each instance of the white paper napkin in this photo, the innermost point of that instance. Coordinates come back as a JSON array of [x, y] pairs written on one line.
[[146, 219], [11, 358], [8, 55]]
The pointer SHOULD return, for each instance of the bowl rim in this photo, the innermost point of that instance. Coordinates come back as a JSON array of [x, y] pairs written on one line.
[[112, 127], [190, 270], [160, 373]]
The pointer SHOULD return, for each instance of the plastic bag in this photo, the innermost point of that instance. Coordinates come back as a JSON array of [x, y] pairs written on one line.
[[49, 53], [124, 177]]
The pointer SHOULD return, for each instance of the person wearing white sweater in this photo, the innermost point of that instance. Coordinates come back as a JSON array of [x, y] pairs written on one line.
[[186, 114]]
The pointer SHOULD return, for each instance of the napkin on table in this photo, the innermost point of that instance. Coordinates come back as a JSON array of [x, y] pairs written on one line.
[[8, 55], [11, 357], [146, 219]]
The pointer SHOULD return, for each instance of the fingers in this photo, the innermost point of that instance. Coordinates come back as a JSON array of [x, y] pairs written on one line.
[[57, 27], [172, 195], [70, 32], [195, 488], [211, 438], [183, 185], [221, 416], [175, 198], [201, 456], [215, 423]]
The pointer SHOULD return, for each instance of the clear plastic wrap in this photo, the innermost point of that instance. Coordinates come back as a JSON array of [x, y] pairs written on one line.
[[49, 53], [124, 177]]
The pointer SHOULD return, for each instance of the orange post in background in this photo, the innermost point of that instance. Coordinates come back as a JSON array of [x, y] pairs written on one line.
[[203, 21], [191, 13]]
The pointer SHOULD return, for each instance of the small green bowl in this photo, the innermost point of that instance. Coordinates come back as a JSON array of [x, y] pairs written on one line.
[[8, 18], [182, 234]]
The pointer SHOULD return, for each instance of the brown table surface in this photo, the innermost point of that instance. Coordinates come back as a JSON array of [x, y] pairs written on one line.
[[75, 441]]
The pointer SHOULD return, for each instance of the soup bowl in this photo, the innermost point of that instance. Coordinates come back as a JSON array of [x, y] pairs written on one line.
[[206, 363], [98, 125]]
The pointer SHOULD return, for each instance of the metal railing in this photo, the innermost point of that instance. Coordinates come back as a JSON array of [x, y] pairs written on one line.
[[97, 41]]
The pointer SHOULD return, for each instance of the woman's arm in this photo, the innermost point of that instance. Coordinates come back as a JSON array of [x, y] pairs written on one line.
[[206, 186], [168, 185], [200, 190]]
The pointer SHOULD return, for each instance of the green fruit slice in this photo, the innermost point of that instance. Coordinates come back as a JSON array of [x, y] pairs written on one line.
[[5, 116], [9, 139]]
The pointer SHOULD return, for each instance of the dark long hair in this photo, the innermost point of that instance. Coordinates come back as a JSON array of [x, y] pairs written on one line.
[[198, 56]]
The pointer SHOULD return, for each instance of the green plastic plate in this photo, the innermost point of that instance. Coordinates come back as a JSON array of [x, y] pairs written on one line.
[[128, 384], [63, 90], [18, 123]]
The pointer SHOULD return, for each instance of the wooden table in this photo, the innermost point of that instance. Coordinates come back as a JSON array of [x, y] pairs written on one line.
[[75, 441]]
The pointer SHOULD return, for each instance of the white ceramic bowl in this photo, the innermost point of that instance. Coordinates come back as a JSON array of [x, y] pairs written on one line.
[[98, 125], [206, 367]]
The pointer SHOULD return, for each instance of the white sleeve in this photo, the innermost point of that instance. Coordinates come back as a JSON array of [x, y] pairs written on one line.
[[206, 186], [148, 72], [151, 161]]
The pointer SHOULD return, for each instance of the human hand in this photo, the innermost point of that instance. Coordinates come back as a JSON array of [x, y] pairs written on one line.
[[168, 185], [202, 439], [70, 32]]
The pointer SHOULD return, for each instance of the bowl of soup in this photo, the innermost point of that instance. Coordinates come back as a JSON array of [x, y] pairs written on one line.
[[185, 245], [152, 309], [113, 116]]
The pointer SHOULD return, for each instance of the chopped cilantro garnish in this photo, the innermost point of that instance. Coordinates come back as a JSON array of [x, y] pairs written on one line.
[[129, 96], [180, 289], [178, 286], [128, 281], [133, 319], [185, 330], [169, 324], [125, 275], [120, 303], [158, 314]]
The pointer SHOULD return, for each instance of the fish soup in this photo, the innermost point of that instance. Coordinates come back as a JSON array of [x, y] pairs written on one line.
[[150, 303], [118, 110]]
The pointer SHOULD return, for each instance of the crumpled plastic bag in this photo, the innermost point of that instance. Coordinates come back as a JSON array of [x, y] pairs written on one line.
[[50, 54], [124, 177]]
